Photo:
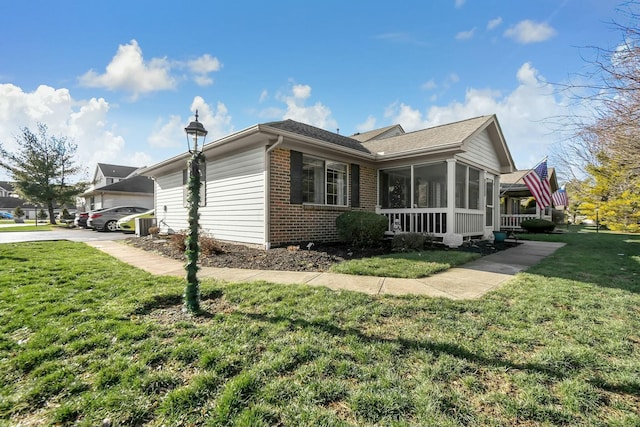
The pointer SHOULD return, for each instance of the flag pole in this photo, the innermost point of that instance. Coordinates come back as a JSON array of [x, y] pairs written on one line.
[[529, 170]]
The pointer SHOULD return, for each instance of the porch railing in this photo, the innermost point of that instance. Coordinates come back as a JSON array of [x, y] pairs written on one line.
[[513, 221], [469, 223], [428, 221]]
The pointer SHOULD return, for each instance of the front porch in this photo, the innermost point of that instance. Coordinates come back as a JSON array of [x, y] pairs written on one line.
[[434, 222], [439, 198]]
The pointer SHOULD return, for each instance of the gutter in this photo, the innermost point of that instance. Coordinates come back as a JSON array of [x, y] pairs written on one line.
[[267, 192]]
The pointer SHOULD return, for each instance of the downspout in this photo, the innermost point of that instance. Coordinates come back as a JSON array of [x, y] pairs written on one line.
[[267, 191]]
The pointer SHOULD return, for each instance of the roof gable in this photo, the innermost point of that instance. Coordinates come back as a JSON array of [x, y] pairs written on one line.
[[116, 171], [443, 135], [136, 184], [385, 132]]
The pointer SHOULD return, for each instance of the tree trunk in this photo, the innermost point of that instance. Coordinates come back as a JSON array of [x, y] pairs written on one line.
[[52, 217]]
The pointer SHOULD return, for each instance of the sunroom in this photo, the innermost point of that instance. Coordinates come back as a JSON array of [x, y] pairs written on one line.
[[443, 180], [415, 198]]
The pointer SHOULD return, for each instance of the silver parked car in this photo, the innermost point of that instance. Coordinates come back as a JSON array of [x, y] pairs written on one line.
[[106, 219]]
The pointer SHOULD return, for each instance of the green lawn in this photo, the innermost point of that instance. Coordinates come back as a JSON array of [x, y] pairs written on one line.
[[85, 338], [410, 265], [39, 227]]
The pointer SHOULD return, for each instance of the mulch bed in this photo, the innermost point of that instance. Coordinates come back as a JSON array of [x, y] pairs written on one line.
[[319, 257]]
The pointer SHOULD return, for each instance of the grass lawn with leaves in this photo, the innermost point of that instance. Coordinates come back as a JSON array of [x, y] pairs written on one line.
[[409, 265], [86, 338]]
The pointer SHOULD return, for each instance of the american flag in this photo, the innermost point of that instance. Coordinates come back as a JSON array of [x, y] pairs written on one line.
[[537, 182], [560, 197]]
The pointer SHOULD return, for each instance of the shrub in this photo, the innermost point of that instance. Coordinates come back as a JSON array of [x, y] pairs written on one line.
[[537, 225], [407, 242], [178, 241], [18, 212], [209, 246], [361, 229]]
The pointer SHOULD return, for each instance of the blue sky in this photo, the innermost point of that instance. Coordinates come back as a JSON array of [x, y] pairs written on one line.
[[123, 78]]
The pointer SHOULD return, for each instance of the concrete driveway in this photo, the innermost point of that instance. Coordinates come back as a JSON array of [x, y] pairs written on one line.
[[72, 234]]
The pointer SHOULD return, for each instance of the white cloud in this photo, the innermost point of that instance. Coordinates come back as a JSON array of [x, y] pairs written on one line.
[[459, 3], [168, 133], [527, 31], [216, 120], [202, 66], [128, 72], [429, 85], [522, 114], [492, 24], [367, 125], [84, 122], [264, 95], [466, 35], [317, 114]]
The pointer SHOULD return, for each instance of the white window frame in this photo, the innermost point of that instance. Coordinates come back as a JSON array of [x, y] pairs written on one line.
[[343, 200]]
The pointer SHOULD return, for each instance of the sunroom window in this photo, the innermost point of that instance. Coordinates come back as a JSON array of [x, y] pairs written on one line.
[[420, 186], [467, 187], [324, 181]]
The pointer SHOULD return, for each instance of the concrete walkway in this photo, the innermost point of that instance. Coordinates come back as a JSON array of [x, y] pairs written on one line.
[[472, 280]]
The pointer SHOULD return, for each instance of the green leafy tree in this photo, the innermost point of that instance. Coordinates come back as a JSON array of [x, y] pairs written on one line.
[[18, 212], [42, 168], [42, 215], [613, 190]]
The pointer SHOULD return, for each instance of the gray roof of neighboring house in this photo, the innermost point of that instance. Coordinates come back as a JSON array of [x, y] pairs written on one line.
[[7, 185], [448, 134], [513, 182], [136, 184], [373, 134], [516, 176], [317, 133], [116, 171]]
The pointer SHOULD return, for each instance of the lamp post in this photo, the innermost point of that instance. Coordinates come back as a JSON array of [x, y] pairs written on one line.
[[196, 134]]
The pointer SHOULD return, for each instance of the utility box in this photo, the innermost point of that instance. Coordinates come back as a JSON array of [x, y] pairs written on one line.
[[142, 226]]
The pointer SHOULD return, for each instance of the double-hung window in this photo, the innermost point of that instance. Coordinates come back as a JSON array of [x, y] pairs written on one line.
[[324, 182]]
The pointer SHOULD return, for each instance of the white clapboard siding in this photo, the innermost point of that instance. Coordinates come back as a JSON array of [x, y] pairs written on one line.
[[235, 202], [481, 152], [171, 214], [139, 200]]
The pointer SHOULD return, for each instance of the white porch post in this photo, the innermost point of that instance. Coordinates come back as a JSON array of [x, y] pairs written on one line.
[[496, 197], [451, 196]]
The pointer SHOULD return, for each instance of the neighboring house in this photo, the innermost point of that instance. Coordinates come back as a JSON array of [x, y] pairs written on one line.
[[115, 185], [514, 197], [6, 189], [282, 182]]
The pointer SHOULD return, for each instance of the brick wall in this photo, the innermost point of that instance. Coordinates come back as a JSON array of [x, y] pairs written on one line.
[[304, 223]]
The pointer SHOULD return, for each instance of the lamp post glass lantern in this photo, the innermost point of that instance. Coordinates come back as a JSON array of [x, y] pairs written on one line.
[[196, 134]]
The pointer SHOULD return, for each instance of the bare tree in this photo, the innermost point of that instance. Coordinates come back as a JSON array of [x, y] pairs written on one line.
[[608, 98]]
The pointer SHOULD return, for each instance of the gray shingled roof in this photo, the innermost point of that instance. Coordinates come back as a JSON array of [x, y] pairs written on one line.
[[317, 133], [372, 134], [516, 176], [452, 133], [7, 185], [116, 171], [136, 184]]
